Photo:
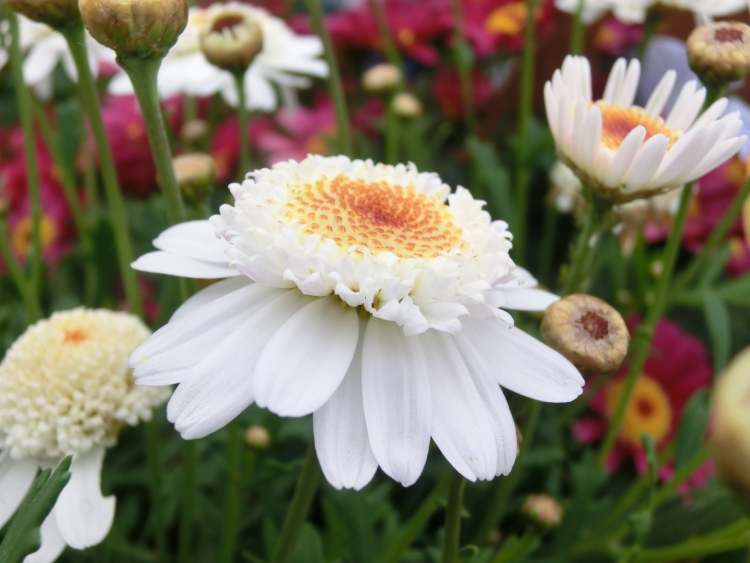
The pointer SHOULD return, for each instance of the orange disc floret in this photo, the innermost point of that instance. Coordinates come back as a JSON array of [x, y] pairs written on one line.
[[376, 216], [618, 121]]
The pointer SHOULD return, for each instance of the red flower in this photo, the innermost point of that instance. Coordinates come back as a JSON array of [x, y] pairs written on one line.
[[225, 147], [447, 91], [616, 38], [677, 367]]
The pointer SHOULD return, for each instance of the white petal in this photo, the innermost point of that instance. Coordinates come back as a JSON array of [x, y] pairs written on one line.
[[646, 162], [625, 154], [625, 94], [83, 515], [16, 476], [341, 440], [160, 262], [713, 113], [52, 544], [306, 359], [528, 299], [396, 394], [462, 427], [193, 239], [614, 81], [660, 96], [687, 107], [519, 362]]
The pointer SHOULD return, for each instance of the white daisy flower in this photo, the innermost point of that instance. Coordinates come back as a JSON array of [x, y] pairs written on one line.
[[44, 49], [625, 152], [66, 389], [367, 295], [285, 62]]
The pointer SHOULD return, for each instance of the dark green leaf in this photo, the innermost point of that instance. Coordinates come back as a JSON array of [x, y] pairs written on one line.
[[692, 431]]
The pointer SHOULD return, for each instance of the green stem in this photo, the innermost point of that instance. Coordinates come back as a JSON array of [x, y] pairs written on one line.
[[389, 46], [578, 29], [547, 255], [244, 120], [35, 258], [641, 343], [716, 238], [335, 87], [695, 548], [67, 180], [597, 214], [391, 133], [76, 40], [16, 273], [525, 108], [649, 29], [464, 68], [453, 512], [187, 513], [142, 73], [153, 459], [505, 487], [304, 492], [412, 529], [231, 526]]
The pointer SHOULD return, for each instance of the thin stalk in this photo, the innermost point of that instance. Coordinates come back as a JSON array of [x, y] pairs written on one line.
[[505, 487], [578, 30], [579, 267], [693, 548], [153, 459], [304, 492], [717, 237], [35, 258], [641, 343], [391, 133], [649, 29], [525, 108], [83, 229], [453, 511], [412, 529], [335, 87], [464, 68], [23, 287], [231, 525], [389, 45], [75, 37], [551, 220], [187, 512], [244, 120], [142, 73]]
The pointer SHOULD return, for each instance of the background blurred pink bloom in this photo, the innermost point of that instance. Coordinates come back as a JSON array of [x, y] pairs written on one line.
[[446, 89], [615, 38]]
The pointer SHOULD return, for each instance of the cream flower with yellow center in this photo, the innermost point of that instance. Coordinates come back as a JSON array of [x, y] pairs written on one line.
[[66, 389], [369, 295]]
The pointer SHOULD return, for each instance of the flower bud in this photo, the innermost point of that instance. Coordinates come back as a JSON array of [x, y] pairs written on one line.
[[381, 78], [720, 52], [54, 13], [194, 131], [232, 40], [588, 332], [196, 175], [730, 413], [143, 29], [258, 437], [544, 510], [406, 105]]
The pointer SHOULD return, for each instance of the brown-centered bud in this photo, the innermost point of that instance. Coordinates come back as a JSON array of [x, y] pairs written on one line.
[[141, 29], [194, 131], [381, 78], [543, 509], [54, 13], [730, 414], [719, 52], [587, 331], [406, 105], [258, 437], [232, 39], [196, 175]]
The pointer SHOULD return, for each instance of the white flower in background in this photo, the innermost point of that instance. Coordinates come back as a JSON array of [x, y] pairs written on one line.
[[44, 49], [367, 295], [625, 152], [66, 389], [285, 62], [636, 11]]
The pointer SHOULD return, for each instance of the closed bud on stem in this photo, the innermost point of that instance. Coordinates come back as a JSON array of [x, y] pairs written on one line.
[[543, 509], [194, 131], [406, 105], [587, 331], [730, 414], [258, 437], [196, 175], [54, 13], [720, 52], [140, 29], [381, 78], [232, 40]]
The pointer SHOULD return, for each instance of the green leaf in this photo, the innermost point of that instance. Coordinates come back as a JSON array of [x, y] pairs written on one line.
[[719, 328], [493, 177], [23, 536], [693, 428], [516, 548]]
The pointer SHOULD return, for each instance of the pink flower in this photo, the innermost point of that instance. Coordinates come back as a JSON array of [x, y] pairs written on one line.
[[447, 91], [615, 38], [225, 146], [677, 367]]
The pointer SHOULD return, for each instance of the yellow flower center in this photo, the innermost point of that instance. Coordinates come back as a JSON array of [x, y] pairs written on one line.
[[618, 121], [23, 234], [74, 335], [406, 36], [506, 20], [316, 145], [648, 412], [376, 216]]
